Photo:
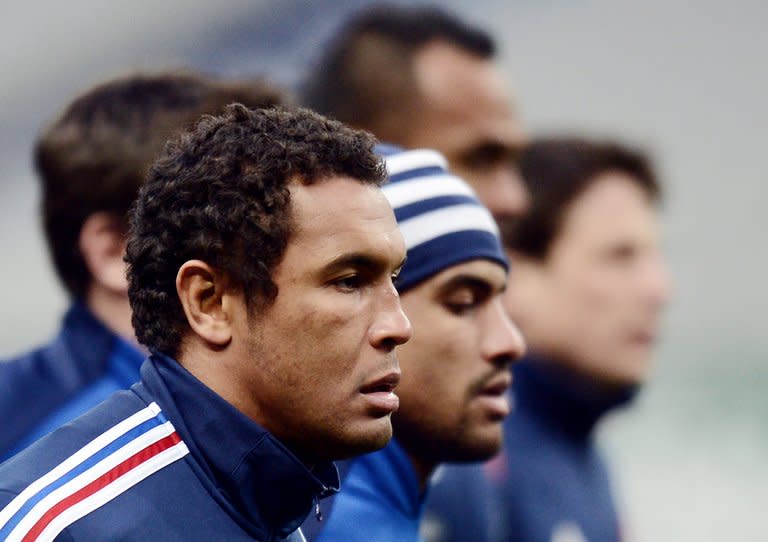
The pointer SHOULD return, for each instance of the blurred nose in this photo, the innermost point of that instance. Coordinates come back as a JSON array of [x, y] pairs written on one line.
[[502, 343], [509, 196], [657, 283], [391, 326]]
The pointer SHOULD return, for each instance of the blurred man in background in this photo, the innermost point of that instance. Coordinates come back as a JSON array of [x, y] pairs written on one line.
[[92, 161], [455, 370], [419, 77], [588, 290], [261, 255]]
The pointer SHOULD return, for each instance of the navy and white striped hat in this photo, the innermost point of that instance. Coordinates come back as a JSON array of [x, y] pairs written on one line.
[[439, 215]]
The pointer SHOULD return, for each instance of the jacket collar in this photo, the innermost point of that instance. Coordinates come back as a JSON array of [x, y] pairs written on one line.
[[565, 400], [91, 348], [257, 479]]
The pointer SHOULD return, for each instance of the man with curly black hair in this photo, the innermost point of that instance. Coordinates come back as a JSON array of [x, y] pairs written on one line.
[[261, 260]]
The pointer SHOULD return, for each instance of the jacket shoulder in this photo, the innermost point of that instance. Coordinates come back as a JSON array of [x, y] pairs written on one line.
[[50, 450], [84, 464], [34, 384]]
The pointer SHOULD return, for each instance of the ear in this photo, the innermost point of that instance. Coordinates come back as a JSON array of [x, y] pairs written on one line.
[[206, 303], [102, 244], [526, 284]]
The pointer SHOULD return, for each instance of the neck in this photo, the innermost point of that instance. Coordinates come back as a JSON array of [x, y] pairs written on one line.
[[568, 400], [216, 368], [112, 309], [423, 469]]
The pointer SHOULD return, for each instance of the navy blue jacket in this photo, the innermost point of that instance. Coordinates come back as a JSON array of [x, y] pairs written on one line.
[[380, 501], [550, 482], [166, 460], [52, 385]]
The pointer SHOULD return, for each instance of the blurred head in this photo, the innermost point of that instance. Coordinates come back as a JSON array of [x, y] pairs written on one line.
[[456, 367], [95, 156], [261, 256], [590, 281], [421, 77]]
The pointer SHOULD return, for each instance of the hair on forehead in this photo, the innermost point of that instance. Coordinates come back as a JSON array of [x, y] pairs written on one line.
[[556, 172]]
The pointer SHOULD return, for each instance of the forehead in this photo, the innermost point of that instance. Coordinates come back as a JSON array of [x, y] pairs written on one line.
[[341, 214], [614, 205], [466, 92]]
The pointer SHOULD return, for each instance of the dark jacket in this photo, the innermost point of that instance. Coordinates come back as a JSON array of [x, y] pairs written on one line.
[[167, 460], [46, 388], [550, 481]]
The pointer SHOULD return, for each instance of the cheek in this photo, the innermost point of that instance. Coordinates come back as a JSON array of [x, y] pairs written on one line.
[[593, 318], [595, 322], [435, 371], [324, 343], [593, 294]]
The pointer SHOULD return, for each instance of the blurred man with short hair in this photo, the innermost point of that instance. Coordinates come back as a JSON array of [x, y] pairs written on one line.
[[419, 77], [588, 291], [92, 161]]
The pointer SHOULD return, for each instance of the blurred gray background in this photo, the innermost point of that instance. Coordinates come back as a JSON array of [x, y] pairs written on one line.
[[687, 81]]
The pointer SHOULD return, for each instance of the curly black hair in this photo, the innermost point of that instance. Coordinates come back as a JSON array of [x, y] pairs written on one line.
[[220, 193]]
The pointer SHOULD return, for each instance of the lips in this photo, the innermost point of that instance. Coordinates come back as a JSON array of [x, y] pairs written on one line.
[[643, 337], [497, 385], [380, 393], [493, 396], [386, 383]]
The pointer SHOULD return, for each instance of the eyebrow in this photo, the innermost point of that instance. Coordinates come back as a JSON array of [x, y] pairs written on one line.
[[470, 281], [359, 260]]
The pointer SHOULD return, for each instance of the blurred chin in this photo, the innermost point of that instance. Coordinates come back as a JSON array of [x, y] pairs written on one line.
[[477, 446], [628, 370]]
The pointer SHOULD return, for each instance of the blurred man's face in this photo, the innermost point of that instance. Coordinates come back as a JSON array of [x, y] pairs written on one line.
[[318, 365], [456, 368], [465, 112], [595, 302]]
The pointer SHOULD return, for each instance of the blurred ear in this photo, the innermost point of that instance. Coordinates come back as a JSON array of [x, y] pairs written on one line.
[[527, 283], [207, 306], [102, 244]]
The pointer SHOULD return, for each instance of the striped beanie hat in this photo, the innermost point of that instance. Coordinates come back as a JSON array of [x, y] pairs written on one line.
[[441, 219]]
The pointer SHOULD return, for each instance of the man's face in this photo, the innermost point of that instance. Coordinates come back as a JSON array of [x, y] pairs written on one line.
[[465, 113], [456, 368], [318, 366], [596, 301]]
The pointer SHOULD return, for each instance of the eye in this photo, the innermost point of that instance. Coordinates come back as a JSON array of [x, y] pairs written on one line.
[[461, 302], [348, 283], [623, 253], [488, 156]]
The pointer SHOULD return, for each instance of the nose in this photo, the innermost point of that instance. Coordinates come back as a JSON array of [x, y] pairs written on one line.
[[508, 195], [503, 343], [391, 327], [657, 282]]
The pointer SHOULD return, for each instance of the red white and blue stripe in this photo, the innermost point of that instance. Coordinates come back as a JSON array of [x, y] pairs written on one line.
[[110, 464], [441, 219]]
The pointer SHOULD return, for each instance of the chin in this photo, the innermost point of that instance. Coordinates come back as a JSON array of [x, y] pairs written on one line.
[[633, 373], [622, 369], [478, 446], [364, 441]]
